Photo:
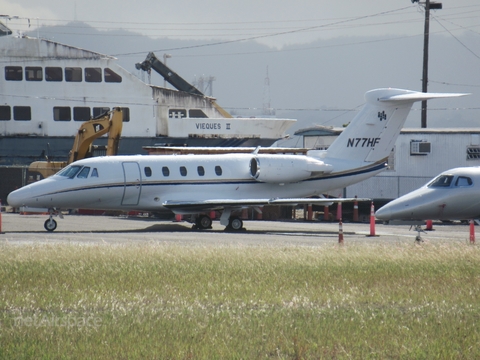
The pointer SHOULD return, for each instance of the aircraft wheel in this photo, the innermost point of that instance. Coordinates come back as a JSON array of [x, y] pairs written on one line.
[[204, 222], [50, 225], [235, 223]]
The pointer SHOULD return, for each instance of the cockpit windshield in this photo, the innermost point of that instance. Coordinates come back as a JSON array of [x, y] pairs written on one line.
[[70, 171], [441, 181]]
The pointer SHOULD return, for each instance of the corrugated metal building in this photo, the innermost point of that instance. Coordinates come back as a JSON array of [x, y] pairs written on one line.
[[418, 156]]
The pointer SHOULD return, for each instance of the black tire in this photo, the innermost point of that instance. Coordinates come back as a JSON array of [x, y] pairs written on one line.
[[235, 223], [50, 225], [204, 222]]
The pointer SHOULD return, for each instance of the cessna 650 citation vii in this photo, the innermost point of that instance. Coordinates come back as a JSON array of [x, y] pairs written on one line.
[[197, 184]]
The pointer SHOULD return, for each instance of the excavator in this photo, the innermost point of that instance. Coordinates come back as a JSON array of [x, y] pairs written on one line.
[[110, 122]]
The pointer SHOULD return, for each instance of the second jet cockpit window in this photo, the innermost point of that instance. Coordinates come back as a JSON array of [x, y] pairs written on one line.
[[441, 181]]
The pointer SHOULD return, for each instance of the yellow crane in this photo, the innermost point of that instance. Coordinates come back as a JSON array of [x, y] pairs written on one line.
[[111, 123]]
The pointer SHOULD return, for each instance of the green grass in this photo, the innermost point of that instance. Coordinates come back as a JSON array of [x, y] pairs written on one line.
[[159, 301]]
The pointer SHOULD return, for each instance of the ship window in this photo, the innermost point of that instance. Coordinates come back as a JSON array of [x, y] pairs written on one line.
[[93, 74], [126, 114], [81, 113], [22, 113], [201, 170], [197, 113], [73, 74], [99, 111], [53, 73], [148, 171], [33, 73], [183, 171], [84, 173], [13, 73], [62, 113], [177, 113], [218, 170], [165, 171], [5, 113], [111, 76], [94, 173], [463, 181]]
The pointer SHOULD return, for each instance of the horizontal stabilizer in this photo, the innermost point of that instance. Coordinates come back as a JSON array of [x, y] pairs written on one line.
[[419, 96]]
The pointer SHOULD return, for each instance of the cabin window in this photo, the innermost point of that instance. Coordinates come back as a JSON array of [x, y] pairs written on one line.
[[111, 76], [13, 73], [53, 73], [22, 113], [99, 111], [177, 113], [463, 181], [218, 170], [441, 181], [126, 114], [93, 74], [165, 171], [183, 171], [33, 73], [70, 171], [73, 74], [62, 113], [83, 174], [201, 170], [197, 113], [94, 173], [81, 113], [5, 113], [148, 171]]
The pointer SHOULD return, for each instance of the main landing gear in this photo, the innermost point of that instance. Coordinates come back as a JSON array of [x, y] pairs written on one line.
[[232, 223]]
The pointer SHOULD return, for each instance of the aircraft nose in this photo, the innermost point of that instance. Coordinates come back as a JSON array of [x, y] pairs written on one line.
[[384, 213], [17, 198]]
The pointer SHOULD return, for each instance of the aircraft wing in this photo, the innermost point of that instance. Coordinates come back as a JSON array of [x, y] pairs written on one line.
[[215, 204]]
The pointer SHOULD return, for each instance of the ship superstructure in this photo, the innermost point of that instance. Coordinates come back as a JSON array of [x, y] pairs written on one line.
[[47, 89]]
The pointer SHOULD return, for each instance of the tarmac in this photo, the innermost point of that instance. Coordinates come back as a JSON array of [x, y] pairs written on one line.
[[19, 229]]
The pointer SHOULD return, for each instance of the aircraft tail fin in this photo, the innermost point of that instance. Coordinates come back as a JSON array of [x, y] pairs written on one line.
[[372, 133]]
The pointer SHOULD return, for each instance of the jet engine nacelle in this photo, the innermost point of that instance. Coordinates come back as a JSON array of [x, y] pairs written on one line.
[[285, 168]]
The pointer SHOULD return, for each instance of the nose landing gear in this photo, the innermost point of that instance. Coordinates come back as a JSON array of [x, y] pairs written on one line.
[[50, 224]]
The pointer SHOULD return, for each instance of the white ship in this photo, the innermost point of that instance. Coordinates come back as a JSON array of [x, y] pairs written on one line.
[[47, 89]]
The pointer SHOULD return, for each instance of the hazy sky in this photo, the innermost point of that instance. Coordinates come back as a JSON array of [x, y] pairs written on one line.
[[318, 80], [271, 22]]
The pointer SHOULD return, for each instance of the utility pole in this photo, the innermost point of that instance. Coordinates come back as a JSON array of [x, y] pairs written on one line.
[[428, 5]]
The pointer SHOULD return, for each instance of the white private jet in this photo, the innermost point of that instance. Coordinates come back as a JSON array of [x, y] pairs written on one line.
[[452, 195], [197, 184]]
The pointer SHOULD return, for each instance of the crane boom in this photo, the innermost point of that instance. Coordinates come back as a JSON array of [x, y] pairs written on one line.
[[152, 62]]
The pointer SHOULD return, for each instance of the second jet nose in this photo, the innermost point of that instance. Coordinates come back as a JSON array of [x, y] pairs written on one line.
[[384, 213], [18, 197]]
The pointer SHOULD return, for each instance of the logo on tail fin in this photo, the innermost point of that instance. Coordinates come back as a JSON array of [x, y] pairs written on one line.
[[382, 115]]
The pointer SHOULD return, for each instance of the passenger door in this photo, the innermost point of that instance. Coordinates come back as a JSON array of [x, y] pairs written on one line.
[[133, 183]]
